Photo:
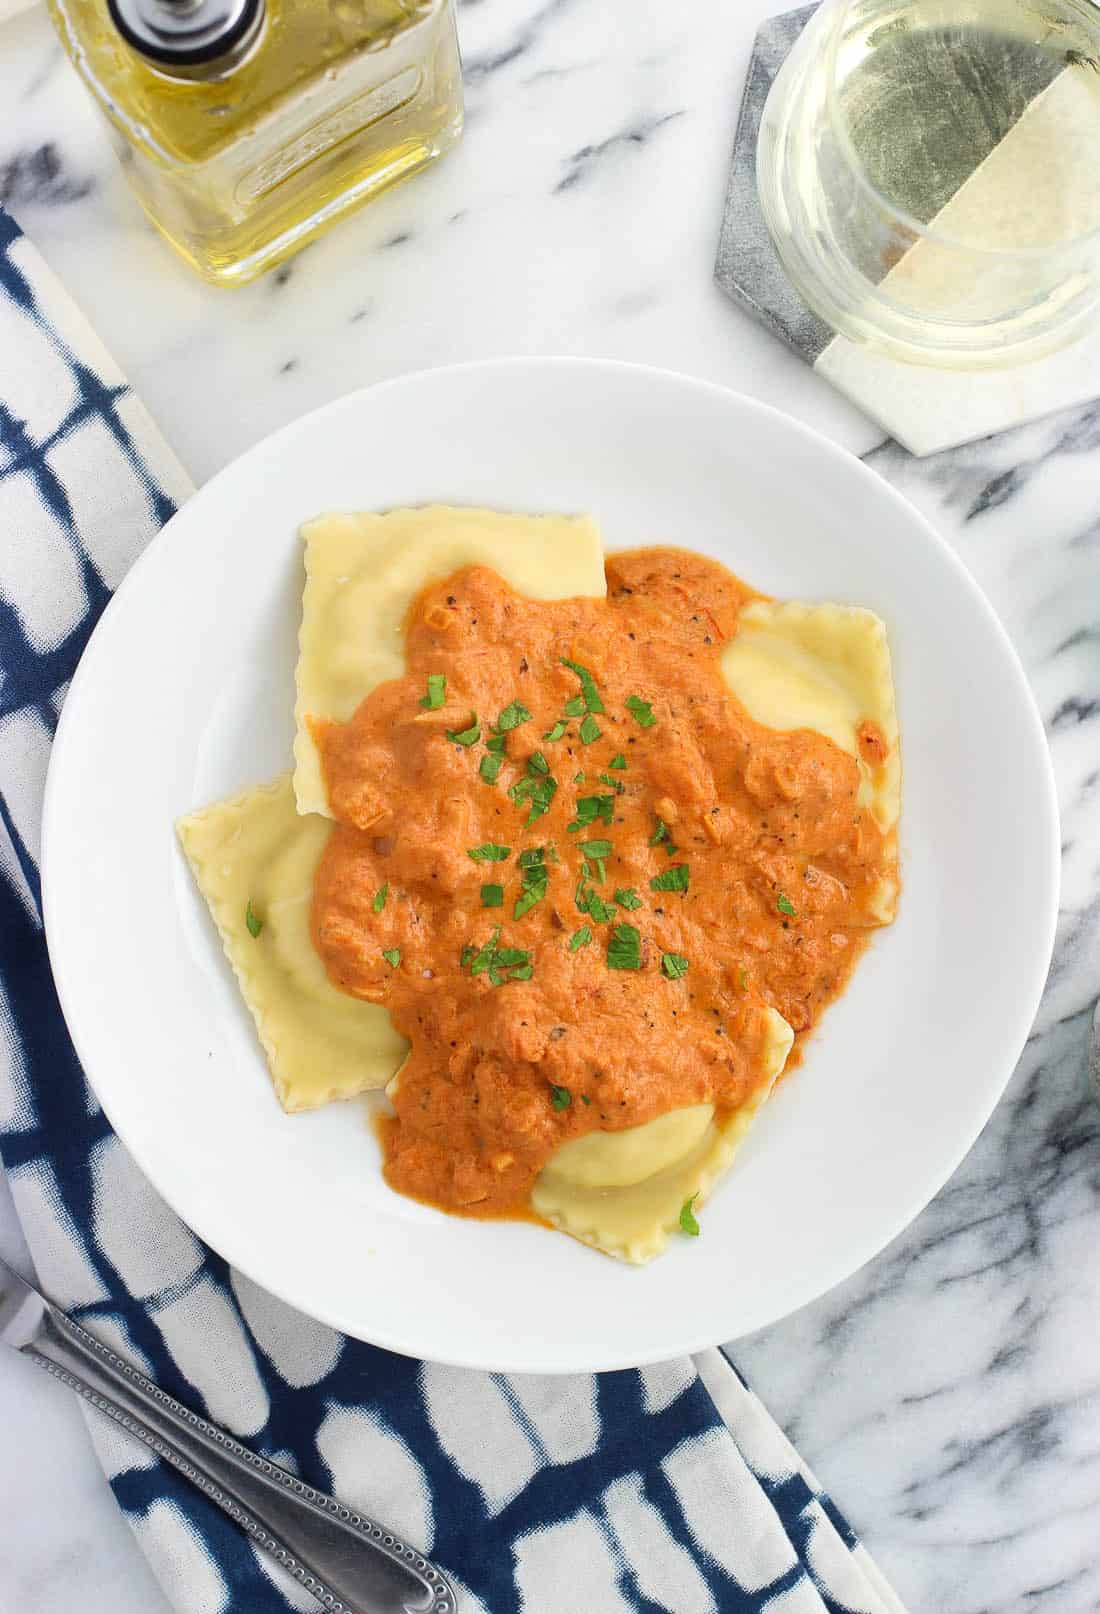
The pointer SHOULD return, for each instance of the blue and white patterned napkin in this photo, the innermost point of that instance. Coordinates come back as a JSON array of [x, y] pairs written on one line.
[[666, 1488]]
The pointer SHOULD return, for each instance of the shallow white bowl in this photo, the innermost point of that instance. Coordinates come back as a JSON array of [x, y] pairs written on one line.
[[184, 694]]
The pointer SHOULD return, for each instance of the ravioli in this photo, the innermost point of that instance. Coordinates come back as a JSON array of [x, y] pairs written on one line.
[[825, 667], [590, 1189], [822, 667], [256, 849], [363, 572]]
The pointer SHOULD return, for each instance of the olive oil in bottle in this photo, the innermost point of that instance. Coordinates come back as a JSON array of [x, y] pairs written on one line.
[[247, 127]]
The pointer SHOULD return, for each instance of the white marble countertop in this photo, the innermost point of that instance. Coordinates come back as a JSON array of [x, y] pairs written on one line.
[[948, 1394]]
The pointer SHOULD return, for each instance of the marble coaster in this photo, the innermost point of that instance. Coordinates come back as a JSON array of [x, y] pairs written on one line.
[[924, 408]]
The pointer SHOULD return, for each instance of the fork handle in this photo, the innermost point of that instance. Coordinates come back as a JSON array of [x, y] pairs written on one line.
[[351, 1564]]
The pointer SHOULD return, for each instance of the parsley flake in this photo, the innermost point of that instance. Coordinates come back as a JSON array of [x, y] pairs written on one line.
[[253, 921], [537, 763], [602, 912], [659, 834], [616, 784], [496, 744], [380, 898], [596, 849], [559, 730], [580, 938], [592, 810], [675, 878], [574, 706], [589, 692], [392, 955], [589, 730], [688, 1224], [512, 716], [627, 897], [499, 963], [785, 905], [489, 768], [617, 762], [675, 965], [437, 692], [466, 736], [492, 896], [560, 1098], [539, 792], [535, 878], [641, 710], [624, 949], [489, 852]]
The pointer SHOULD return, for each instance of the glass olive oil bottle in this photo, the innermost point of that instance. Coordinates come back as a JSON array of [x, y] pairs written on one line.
[[247, 127]]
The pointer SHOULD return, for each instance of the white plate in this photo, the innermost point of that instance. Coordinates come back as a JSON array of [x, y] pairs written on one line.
[[184, 694]]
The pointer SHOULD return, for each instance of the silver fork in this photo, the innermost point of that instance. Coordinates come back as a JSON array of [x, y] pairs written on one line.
[[351, 1564]]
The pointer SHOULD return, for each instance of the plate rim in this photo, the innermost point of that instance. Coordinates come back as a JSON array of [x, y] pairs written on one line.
[[857, 1254]]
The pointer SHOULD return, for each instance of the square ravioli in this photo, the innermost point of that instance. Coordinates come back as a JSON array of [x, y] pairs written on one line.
[[253, 858], [363, 572]]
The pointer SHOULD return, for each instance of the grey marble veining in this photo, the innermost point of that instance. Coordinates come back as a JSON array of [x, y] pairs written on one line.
[[949, 1393]]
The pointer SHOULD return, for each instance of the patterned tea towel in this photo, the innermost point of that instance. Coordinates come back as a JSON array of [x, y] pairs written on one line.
[[663, 1488]]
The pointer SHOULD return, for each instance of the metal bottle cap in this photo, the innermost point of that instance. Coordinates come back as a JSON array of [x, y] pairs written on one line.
[[187, 33]]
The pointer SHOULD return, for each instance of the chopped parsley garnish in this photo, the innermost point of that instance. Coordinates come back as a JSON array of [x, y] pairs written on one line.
[[560, 1098], [592, 810], [466, 736], [688, 1224], [489, 768], [578, 778], [492, 896], [617, 762], [624, 949], [489, 852], [533, 855], [467, 955], [380, 898], [591, 695], [512, 716], [535, 878], [602, 912], [437, 692], [675, 878], [659, 834], [392, 955], [627, 897], [558, 732], [616, 784], [538, 791], [785, 905], [253, 921], [499, 963], [574, 706], [596, 848], [585, 1099], [675, 965], [580, 938], [589, 730], [537, 763], [641, 710], [496, 744]]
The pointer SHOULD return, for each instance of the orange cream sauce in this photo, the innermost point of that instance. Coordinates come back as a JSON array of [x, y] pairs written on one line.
[[526, 1038]]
